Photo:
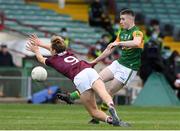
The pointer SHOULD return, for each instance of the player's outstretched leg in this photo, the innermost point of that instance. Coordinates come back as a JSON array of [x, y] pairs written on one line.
[[89, 101], [99, 88]]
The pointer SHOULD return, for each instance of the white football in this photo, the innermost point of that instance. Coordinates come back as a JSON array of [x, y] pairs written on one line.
[[39, 73]]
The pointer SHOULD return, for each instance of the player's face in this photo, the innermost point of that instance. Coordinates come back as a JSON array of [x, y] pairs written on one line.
[[125, 21]]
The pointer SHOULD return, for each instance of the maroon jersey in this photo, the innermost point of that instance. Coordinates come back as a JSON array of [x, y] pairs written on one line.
[[67, 64]]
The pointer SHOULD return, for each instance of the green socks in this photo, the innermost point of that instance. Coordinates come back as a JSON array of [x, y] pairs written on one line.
[[104, 107], [75, 95]]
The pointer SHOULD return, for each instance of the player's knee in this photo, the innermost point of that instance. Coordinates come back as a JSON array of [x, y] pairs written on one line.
[[110, 91]]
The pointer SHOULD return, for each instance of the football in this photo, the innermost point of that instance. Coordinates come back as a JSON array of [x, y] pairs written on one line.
[[39, 73]]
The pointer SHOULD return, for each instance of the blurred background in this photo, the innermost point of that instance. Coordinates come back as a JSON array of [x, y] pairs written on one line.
[[88, 26]]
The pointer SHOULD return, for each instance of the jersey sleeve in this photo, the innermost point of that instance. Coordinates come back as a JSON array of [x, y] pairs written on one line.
[[117, 37], [47, 62], [137, 34]]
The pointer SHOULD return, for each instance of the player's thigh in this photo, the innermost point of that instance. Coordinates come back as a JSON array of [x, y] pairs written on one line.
[[106, 74], [116, 85], [99, 88], [89, 101]]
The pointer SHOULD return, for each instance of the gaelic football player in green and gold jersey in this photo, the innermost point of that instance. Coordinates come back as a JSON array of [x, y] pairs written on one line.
[[123, 70]]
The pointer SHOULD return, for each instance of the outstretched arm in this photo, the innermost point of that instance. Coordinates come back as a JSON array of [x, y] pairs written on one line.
[[105, 54], [132, 43], [35, 40], [34, 48], [135, 43]]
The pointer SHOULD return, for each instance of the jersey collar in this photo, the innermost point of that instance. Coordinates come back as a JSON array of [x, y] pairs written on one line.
[[131, 28], [63, 53]]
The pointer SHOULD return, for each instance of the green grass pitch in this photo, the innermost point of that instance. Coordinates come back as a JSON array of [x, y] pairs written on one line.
[[75, 117]]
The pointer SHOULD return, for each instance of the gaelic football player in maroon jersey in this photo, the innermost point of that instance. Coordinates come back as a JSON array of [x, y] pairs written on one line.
[[85, 78]]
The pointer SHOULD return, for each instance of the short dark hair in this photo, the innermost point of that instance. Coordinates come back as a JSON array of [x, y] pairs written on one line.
[[128, 12]]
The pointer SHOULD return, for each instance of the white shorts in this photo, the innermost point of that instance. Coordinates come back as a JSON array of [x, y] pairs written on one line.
[[84, 79], [122, 73]]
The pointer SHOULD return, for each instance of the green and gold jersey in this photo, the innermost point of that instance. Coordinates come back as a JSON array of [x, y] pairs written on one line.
[[130, 57]]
